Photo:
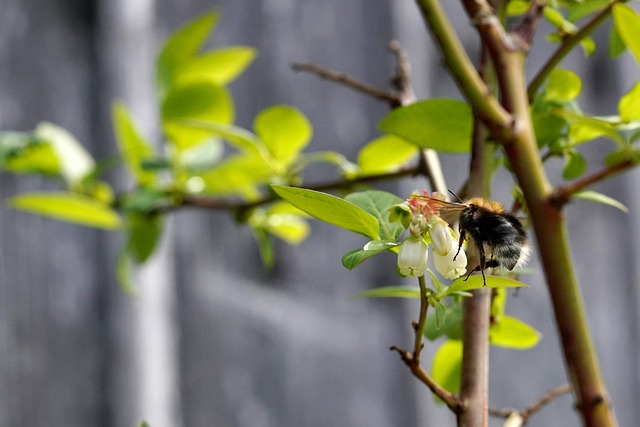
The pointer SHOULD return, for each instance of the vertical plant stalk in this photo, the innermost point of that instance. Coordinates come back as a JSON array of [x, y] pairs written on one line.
[[548, 223]]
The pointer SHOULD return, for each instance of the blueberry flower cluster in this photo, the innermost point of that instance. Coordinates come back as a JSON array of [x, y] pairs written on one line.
[[427, 228]]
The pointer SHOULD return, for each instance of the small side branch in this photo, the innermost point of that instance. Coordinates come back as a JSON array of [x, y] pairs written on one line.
[[561, 195], [527, 412], [450, 399], [348, 81], [567, 46], [529, 25], [240, 205]]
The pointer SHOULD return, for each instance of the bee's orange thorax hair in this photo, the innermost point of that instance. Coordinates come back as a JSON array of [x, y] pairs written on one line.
[[488, 205]]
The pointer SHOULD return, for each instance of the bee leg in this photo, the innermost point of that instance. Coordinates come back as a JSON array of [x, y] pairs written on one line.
[[483, 263], [460, 242]]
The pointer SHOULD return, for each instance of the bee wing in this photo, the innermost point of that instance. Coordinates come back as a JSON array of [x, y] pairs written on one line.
[[449, 211]]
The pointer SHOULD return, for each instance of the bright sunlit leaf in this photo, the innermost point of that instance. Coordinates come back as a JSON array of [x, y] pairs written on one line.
[[563, 86], [629, 105], [513, 333], [330, 209], [390, 292], [75, 162], [200, 101], [132, 145], [181, 46], [627, 23], [220, 66], [385, 154], [594, 196], [284, 130], [441, 124], [447, 362], [68, 207], [476, 282]]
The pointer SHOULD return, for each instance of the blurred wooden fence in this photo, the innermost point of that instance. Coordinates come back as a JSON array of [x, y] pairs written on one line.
[[213, 339]]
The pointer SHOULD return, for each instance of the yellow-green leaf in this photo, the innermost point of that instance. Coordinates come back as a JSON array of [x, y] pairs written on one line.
[[510, 332], [441, 124], [476, 282], [284, 130], [627, 22], [563, 86], [390, 292], [69, 207], [182, 45], [629, 105], [75, 162], [220, 66], [132, 145], [445, 369], [330, 209], [385, 154]]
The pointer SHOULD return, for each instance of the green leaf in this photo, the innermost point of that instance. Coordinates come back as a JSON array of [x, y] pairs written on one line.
[[289, 227], [385, 154], [22, 152], [265, 247], [510, 332], [146, 200], [451, 327], [627, 23], [220, 66], [374, 247], [237, 174], [202, 156], [594, 196], [284, 130], [580, 10], [616, 45], [588, 46], [390, 292], [132, 145], [378, 203], [238, 137], [476, 282], [629, 105], [195, 101], [69, 207], [143, 235], [441, 124], [575, 165], [75, 162], [330, 209], [563, 86], [182, 46], [446, 367]]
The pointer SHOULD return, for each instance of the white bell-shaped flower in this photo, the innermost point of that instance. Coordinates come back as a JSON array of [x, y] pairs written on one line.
[[413, 257], [447, 266], [440, 233]]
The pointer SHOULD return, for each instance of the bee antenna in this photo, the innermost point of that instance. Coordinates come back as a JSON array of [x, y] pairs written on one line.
[[456, 196]]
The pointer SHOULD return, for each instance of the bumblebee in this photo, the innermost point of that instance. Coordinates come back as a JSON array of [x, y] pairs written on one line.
[[498, 237]]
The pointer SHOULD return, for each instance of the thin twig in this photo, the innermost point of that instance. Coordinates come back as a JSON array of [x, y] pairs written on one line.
[[529, 25], [567, 46], [346, 80], [241, 205], [527, 412], [450, 399], [402, 79], [561, 195]]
